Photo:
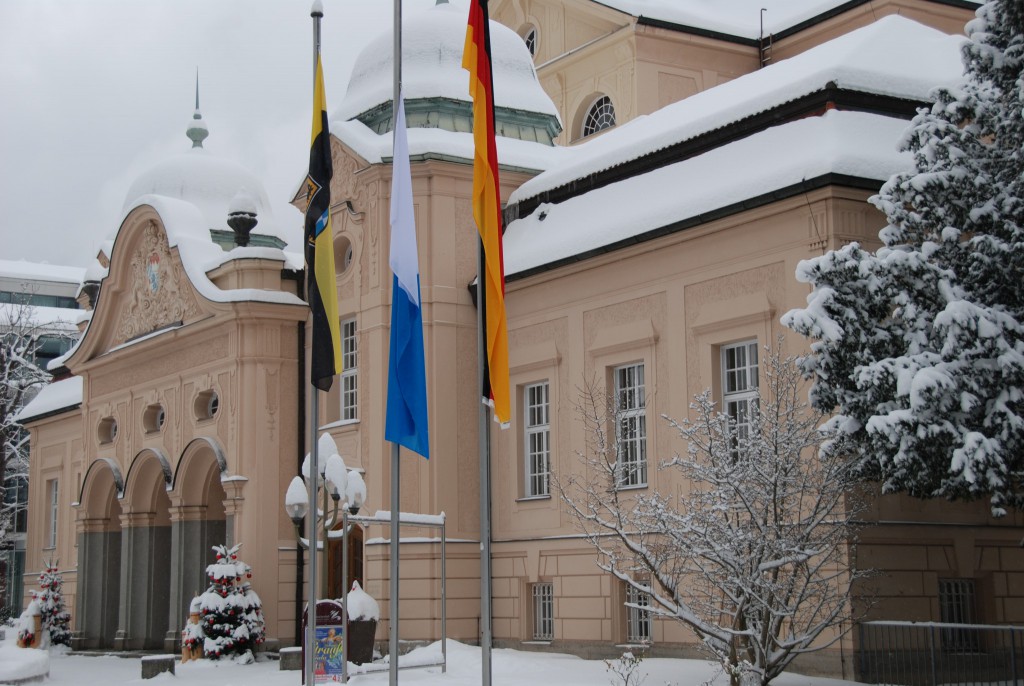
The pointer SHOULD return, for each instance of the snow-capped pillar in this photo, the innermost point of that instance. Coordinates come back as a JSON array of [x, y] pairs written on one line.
[[234, 505]]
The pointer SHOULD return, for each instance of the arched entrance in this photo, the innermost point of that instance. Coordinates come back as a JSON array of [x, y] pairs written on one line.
[[145, 554], [198, 522], [99, 556]]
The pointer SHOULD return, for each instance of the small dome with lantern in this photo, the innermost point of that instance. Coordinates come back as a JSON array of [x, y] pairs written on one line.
[[211, 184], [437, 87]]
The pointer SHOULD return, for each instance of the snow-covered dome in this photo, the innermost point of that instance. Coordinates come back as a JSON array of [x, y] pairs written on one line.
[[432, 45], [206, 181]]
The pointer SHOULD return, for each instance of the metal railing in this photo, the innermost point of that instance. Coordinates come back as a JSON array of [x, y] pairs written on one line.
[[935, 653]]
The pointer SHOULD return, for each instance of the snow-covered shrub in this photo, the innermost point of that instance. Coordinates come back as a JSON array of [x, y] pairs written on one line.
[[361, 605], [230, 613], [26, 624], [624, 669]]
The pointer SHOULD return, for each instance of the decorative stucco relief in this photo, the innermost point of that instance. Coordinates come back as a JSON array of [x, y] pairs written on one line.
[[371, 198], [272, 402], [159, 290], [708, 297]]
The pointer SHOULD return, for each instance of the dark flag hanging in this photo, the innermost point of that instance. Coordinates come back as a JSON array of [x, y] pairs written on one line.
[[325, 361]]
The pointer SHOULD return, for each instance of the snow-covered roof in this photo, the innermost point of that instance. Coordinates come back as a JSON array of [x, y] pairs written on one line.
[[740, 18], [512, 152], [893, 56], [40, 271], [432, 44], [210, 183], [187, 230], [48, 318], [852, 143], [58, 395]]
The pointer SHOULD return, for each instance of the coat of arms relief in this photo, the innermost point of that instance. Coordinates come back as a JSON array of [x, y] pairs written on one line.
[[158, 290]]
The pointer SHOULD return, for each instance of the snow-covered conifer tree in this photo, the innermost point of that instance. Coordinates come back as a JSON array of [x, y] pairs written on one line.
[[748, 542], [230, 612], [920, 347], [50, 602]]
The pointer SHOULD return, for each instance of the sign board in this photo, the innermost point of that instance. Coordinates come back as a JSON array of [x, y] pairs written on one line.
[[329, 652]]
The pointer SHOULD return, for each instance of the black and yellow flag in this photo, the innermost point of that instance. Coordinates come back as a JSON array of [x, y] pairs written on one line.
[[325, 360]]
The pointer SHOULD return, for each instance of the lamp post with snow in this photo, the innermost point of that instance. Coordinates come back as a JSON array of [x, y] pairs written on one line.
[[340, 491]]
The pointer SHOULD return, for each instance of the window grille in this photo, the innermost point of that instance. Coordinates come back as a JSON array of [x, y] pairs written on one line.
[[638, 619], [957, 602], [536, 410], [350, 371], [739, 387], [531, 41], [543, 612], [631, 425], [600, 116]]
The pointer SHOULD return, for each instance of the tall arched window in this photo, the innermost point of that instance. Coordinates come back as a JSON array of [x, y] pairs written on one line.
[[600, 116]]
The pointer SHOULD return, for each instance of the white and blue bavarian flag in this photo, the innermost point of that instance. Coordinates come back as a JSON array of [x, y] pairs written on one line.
[[406, 420]]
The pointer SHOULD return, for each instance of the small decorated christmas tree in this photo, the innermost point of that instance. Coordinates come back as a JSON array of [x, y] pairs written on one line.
[[230, 613], [50, 603]]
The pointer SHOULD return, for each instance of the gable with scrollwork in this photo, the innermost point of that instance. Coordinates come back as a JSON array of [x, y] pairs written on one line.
[[158, 293]]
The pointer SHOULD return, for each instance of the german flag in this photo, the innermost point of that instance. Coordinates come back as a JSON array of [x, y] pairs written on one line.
[[476, 58], [325, 360]]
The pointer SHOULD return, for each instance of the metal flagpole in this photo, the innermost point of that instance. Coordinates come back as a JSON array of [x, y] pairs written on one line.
[[395, 450], [317, 13], [484, 430]]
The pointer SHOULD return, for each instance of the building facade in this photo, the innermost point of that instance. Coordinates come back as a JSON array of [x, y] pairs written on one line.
[[664, 175]]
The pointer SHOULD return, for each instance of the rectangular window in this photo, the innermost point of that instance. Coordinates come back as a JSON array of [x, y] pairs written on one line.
[[957, 603], [536, 411], [739, 386], [51, 488], [21, 505], [350, 371], [638, 619], [543, 612], [631, 425]]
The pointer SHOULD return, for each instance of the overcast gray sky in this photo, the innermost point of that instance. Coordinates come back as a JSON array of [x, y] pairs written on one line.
[[93, 92]]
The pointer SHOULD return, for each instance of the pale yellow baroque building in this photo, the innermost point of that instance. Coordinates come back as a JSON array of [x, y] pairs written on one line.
[[663, 175]]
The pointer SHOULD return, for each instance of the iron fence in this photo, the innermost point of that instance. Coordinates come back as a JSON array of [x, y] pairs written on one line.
[[940, 654]]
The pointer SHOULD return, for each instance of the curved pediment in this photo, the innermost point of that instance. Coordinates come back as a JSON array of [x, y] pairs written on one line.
[[146, 289]]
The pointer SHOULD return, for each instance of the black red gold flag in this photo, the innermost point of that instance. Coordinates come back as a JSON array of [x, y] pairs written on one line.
[[487, 208]]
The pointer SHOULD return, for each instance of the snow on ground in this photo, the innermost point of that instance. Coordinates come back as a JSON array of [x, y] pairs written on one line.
[[509, 668]]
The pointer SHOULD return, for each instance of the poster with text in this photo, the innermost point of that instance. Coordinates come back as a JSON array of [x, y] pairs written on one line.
[[327, 660]]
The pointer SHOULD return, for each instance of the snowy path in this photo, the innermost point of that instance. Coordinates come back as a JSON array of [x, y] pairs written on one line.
[[510, 668]]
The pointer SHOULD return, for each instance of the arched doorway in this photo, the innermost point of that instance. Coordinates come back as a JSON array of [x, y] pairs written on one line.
[[99, 556], [145, 554], [198, 522]]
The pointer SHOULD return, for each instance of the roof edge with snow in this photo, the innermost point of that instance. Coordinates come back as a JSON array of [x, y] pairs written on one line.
[[814, 103]]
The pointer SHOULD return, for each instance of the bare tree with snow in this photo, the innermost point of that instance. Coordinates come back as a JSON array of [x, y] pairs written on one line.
[[754, 554], [21, 336], [919, 347]]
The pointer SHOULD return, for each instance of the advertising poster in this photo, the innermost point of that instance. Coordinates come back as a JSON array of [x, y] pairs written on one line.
[[328, 656]]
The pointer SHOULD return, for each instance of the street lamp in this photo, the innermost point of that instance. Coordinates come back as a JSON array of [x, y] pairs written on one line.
[[346, 492]]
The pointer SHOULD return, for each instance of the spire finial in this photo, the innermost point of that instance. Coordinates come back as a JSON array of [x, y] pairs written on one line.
[[197, 131]]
